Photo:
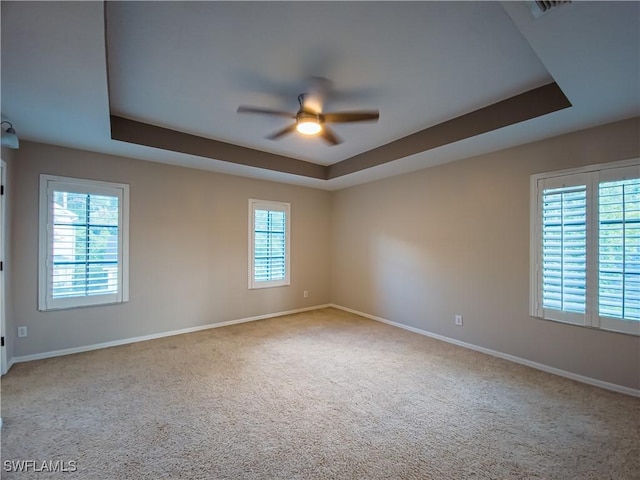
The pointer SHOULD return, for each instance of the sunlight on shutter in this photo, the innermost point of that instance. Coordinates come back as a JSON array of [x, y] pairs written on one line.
[[564, 248]]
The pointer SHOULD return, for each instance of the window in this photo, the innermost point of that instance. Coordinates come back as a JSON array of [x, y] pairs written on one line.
[[268, 244], [585, 250], [83, 243]]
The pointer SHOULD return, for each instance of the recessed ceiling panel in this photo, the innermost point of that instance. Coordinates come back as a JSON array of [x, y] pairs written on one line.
[[187, 66]]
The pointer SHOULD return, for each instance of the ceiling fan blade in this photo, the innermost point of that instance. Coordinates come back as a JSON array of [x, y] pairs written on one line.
[[284, 131], [345, 117], [327, 134], [264, 111]]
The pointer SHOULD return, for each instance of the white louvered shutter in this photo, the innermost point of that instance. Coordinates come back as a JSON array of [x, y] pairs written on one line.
[[619, 250], [563, 265], [269, 244], [83, 243]]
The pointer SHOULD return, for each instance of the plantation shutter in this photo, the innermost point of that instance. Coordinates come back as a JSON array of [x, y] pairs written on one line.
[[83, 243], [563, 268], [269, 244], [619, 248], [269, 252], [586, 247]]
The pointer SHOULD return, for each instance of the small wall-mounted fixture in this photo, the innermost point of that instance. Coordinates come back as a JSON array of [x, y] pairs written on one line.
[[9, 136]]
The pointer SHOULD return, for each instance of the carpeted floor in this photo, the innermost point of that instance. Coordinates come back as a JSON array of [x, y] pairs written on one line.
[[317, 395]]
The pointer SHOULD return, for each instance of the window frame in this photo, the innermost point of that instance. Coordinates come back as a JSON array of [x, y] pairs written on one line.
[[255, 204], [593, 175], [48, 183]]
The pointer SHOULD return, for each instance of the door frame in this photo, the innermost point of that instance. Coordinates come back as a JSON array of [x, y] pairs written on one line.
[[3, 231]]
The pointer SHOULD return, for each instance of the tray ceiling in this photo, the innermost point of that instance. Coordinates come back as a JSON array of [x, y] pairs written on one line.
[[185, 67]]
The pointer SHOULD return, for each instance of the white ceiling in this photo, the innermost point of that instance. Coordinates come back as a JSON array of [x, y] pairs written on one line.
[[187, 66]]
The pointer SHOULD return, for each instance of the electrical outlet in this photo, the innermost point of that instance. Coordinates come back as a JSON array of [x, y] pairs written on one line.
[[459, 320], [305, 294], [22, 331]]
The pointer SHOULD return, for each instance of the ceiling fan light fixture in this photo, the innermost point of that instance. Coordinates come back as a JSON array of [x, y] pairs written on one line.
[[311, 121], [308, 124]]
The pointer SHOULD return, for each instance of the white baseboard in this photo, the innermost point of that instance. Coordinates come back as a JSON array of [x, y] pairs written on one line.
[[9, 365], [153, 336], [538, 366]]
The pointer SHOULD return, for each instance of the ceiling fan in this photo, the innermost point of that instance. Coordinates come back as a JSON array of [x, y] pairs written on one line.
[[311, 121]]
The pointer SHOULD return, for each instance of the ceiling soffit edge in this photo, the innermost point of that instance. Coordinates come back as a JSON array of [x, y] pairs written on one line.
[[525, 106]]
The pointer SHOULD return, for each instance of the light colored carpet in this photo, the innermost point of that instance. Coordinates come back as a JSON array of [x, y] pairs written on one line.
[[318, 395]]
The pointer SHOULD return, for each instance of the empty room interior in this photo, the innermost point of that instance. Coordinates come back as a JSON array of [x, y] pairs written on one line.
[[320, 240]]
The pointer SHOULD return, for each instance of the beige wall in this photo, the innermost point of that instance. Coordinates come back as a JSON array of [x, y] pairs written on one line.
[[454, 239], [188, 250], [415, 249]]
